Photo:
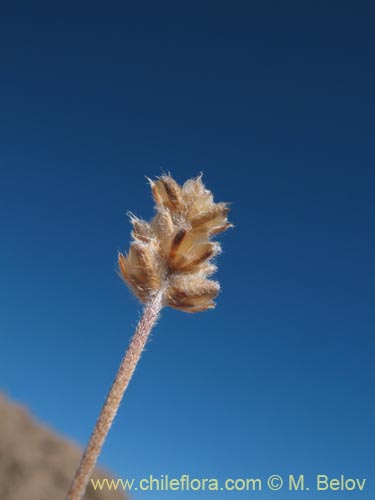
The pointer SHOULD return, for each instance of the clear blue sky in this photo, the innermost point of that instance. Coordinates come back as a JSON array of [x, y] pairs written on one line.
[[274, 102]]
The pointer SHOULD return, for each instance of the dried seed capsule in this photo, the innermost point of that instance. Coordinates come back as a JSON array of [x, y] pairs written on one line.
[[174, 251], [167, 193]]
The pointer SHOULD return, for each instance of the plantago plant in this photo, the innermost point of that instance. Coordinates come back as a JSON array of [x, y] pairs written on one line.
[[168, 264]]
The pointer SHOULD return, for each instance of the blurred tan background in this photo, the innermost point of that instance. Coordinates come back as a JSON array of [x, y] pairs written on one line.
[[35, 462]]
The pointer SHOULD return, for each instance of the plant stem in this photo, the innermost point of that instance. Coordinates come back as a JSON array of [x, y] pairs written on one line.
[[112, 403]]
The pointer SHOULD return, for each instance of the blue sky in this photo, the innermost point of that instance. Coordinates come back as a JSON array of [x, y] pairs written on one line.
[[275, 104]]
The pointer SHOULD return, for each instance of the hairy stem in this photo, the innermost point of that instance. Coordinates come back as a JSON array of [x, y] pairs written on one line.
[[112, 403]]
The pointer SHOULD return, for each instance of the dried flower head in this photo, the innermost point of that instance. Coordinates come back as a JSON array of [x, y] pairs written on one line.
[[173, 252]]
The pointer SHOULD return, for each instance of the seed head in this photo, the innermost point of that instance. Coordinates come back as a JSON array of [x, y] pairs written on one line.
[[174, 252]]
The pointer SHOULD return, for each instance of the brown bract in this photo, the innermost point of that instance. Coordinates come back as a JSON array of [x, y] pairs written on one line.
[[174, 252]]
